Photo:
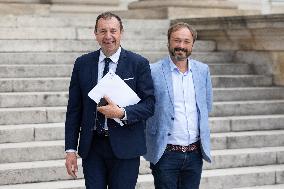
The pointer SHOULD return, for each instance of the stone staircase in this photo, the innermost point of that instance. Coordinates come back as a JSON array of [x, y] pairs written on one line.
[[36, 59]]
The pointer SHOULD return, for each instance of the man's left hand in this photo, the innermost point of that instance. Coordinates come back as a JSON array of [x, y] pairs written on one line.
[[111, 110]]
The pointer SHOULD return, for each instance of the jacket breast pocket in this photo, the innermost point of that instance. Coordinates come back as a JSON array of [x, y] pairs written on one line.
[[130, 81]]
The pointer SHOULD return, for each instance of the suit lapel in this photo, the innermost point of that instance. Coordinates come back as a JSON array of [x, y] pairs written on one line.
[[168, 78], [196, 79], [121, 69], [94, 68]]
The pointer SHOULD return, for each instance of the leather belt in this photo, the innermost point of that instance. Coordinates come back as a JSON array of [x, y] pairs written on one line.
[[178, 148]]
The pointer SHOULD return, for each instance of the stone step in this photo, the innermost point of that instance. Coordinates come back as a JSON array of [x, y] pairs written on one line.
[[35, 99], [44, 171], [23, 9], [32, 115], [246, 123], [87, 2], [241, 177], [263, 93], [38, 171], [31, 132], [224, 81], [65, 70], [62, 83], [131, 33], [245, 157], [55, 131], [83, 9], [248, 139], [54, 150], [19, 1], [75, 20], [65, 184], [70, 57], [34, 84], [220, 109], [184, 12], [277, 186], [57, 114], [77, 33], [226, 140], [261, 107], [90, 45], [31, 151], [48, 7], [189, 3]]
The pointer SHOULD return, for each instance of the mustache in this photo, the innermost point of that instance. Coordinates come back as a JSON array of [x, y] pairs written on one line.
[[180, 49]]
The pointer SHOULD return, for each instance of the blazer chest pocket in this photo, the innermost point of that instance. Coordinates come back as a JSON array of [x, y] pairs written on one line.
[[130, 81]]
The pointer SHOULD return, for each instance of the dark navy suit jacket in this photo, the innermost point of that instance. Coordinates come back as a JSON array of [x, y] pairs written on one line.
[[127, 141]]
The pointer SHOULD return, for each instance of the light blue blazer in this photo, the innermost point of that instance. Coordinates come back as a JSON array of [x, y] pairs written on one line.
[[160, 124]]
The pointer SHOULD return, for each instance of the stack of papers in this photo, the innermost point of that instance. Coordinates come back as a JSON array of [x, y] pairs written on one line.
[[112, 86]]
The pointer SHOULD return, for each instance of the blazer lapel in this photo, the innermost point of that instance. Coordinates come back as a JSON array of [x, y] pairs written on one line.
[[94, 68], [168, 78], [196, 79], [121, 69]]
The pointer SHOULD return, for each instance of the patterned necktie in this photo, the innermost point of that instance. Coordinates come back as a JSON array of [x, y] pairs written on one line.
[[100, 117]]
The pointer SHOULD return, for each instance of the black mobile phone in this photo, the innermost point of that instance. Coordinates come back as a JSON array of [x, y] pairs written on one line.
[[102, 102]]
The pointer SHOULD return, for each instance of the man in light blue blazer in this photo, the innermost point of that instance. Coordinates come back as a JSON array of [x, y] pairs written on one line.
[[178, 135]]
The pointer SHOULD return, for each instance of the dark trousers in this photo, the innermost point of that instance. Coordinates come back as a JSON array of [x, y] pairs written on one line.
[[103, 170], [178, 170]]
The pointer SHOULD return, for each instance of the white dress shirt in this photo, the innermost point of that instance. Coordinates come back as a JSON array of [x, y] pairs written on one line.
[[185, 127]]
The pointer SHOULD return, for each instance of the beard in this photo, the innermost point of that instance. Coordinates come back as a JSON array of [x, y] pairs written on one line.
[[179, 54]]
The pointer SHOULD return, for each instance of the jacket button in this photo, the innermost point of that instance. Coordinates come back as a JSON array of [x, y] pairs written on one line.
[[172, 118], [169, 134]]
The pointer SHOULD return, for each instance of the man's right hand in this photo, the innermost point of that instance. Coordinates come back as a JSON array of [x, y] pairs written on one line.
[[71, 164]]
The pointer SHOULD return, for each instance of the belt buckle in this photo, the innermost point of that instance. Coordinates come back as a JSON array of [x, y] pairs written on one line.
[[183, 148]]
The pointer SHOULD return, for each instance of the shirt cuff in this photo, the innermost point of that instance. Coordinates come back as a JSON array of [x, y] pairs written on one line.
[[125, 115], [70, 150]]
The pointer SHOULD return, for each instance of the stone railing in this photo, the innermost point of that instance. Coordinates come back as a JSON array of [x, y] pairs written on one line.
[[257, 40]]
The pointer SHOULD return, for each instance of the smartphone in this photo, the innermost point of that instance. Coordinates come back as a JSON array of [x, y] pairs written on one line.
[[102, 102]]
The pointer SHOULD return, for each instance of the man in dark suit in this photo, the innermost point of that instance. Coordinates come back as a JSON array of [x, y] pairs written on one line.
[[110, 151]]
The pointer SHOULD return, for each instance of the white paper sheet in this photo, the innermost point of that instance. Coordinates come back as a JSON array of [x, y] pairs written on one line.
[[116, 89]]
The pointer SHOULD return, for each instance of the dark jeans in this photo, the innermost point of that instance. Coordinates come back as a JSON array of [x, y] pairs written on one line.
[[178, 170], [102, 169]]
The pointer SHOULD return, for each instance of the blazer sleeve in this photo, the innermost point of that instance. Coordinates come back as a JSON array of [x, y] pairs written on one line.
[[74, 111], [145, 90], [209, 92]]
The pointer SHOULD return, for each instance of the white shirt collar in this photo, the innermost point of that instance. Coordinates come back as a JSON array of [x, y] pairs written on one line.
[[114, 58], [174, 67]]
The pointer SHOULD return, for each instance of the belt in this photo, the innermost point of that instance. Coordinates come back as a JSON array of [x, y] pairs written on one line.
[[178, 148]]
